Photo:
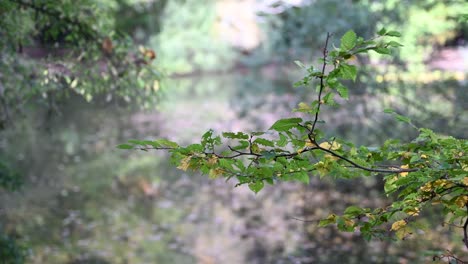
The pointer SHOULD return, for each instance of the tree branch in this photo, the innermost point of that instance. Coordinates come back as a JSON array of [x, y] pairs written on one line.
[[322, 85], [362, 167], [465, 227]]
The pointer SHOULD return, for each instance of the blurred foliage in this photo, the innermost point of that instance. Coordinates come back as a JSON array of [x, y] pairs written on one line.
[[424, 24], [9, 179], [301, 30], [298, 31], [73, 208], [51, 49], [188, 41], [10, 251], [139, 18]]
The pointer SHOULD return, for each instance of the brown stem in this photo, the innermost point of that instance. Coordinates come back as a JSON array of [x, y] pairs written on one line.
[[465, 227], [362, 167], [322, 85]]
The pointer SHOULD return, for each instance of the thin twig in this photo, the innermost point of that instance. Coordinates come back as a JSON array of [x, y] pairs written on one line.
[[304, 220], [362, 167], [465, 227], [322, 85]]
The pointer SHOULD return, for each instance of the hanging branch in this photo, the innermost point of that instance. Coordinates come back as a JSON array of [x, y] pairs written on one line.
[[298, 149], [322, 86]]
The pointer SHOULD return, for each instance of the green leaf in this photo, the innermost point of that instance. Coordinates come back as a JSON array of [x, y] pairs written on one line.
[[415, 158], [402, 118], [300, 64], [194, 148], [243, 144], [207, 134], [268, 154], [238, 135], [165, 143], [256, 186], [257, 133], [283, 140], [303, 177], [331, 219], [125, 146], [353, 210], [393, 34], [389, 111], [325, 222], [286, 124], [343, 91], [348, 41], [136, 142], [264, 142], [394, 44], [382, 32], [303, 107], [463, 18], [348, 71], [382, 50], [328, 98], [390, 187], [226, 163], [332, 82]]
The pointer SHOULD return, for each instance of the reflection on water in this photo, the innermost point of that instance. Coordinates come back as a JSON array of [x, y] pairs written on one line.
[[86, 202]]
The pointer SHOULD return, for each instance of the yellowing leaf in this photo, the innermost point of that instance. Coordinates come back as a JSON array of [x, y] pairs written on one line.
[[148, 53], [331, 157], [423, 156], [404, 174], [255, 148], [185, 163], [461, 201], [155, 85], [303, 106], [331, 217], [214, 173], [310, 144], [349, 222], [212, 160], [74, 83], [465, 181], [107, 45], [413, 211], [333, 146], [322, 168], [398, 225], [403, 233], [426, 187], [442, 183], [465, 167]]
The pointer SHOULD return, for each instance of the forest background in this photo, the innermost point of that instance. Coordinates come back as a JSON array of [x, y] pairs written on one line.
[[78, 78]]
